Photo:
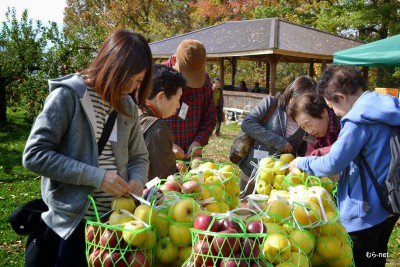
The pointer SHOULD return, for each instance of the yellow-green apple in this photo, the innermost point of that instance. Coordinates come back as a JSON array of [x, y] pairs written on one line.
[[226, 171], [203, 253], [124, 203], [205, 192], [328, 247], [226, 242], [134, 233], [299, 259], [118, 217], [276, 248], [263, 188], [184, 253], [217, 207], [185, 210], [278, 167], [162, 224], [278, 210], [146, 213], [316, 193], [273, 228], [306, 213], [137, 259], [278, 182], [151, 240], [267, 162], [302, 240], [287, 157], [180, 234], [217, 192], [266, 175], [166, 252], [328, 184]]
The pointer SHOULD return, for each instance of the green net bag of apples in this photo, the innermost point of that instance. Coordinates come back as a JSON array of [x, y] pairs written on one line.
[[227, 240], [218, 185], [124, 236], [173, 223]]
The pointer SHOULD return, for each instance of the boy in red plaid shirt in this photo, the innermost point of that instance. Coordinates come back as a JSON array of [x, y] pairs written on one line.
[[196, 119]]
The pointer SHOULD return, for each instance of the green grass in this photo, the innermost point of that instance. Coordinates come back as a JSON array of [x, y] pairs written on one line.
[[17, 185]]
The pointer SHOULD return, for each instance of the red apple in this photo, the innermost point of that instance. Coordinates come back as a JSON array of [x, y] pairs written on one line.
[[113, 259], [226, 245], [93, 234], [256, 227], [227, 223], [112, 239], [171, 185], [202, 251], [95, 258], [181, 166], [191, 187], [205, 222], [257, 263], [137, 259], [250, 248]]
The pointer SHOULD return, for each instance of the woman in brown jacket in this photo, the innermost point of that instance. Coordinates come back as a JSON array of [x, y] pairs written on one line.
[[162, 102]]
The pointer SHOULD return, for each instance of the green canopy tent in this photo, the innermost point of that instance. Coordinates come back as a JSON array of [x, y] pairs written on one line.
[[385, 52]]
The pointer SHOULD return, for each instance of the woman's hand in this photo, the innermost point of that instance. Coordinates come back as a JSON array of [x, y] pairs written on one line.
[[136, 188], [178, 151], [293, 163], [194, 150], [114, 185]]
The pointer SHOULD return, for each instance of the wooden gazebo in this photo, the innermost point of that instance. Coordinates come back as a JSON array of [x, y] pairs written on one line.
[[271, 40]]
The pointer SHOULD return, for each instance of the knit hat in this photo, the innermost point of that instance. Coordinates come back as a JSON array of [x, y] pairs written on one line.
[[191, 59]]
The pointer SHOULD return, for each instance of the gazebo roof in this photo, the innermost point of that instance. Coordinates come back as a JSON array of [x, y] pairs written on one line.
[[255, 39]]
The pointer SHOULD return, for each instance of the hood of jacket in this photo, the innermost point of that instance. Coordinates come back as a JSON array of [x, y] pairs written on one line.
[[72, 81], [365, 110]]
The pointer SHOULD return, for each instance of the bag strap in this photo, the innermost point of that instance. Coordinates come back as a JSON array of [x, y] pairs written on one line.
[[106, 131], [269, 113], [146, 122], [364, 162]]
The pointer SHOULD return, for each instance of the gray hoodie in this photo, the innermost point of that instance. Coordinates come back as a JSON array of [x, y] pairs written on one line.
[[62, 148]]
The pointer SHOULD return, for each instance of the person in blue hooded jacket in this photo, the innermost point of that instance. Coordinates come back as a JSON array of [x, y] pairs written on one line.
[[367, 118]]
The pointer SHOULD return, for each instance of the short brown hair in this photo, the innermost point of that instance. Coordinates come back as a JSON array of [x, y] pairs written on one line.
[[123, 55], [312, 104], [340, 79]]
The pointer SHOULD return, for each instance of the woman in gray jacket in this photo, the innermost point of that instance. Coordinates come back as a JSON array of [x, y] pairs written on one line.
[[62, 146], [280, 134]]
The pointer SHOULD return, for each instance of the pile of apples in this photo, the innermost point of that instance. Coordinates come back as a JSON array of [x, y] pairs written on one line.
[[226, 242], [173, 223], [128, 239], [273, 174]]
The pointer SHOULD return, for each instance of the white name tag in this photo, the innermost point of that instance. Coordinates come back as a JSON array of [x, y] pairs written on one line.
[[183, 111], [260, 154]]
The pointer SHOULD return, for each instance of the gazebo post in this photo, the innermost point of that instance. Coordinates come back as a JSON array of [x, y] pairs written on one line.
[[268, 71], [222, 72], [273, 61], [323, 65], [311, 70], [233, 71], [364, 70]]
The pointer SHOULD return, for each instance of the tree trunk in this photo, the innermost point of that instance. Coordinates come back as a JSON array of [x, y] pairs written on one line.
[[3, 102]]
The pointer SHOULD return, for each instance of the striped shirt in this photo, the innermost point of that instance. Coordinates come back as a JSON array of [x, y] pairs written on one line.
[[107, 159], [291, 127]]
